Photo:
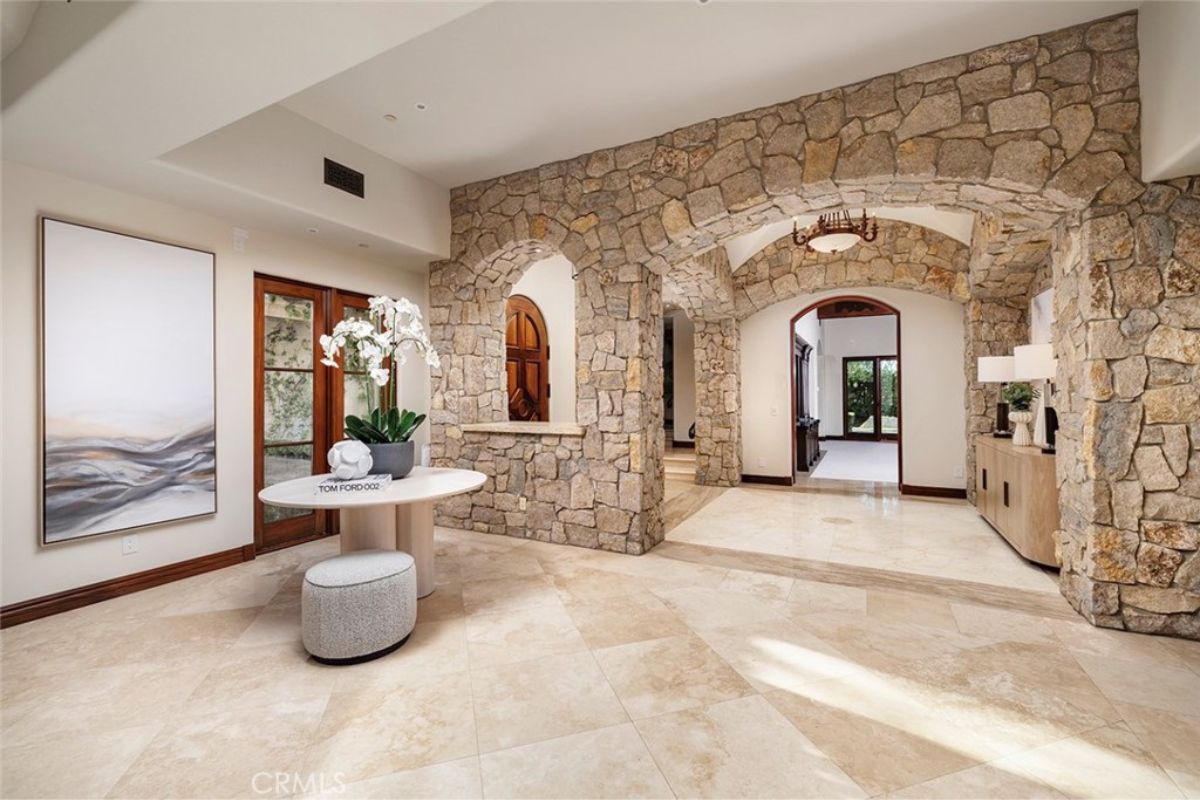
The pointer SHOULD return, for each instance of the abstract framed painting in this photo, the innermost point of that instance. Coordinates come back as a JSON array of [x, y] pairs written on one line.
[[128, 382]]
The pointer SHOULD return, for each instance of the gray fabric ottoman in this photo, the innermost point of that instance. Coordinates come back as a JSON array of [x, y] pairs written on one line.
[[358, 606]]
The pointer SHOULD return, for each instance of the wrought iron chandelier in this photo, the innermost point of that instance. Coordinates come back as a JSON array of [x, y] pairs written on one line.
[[835, 233]]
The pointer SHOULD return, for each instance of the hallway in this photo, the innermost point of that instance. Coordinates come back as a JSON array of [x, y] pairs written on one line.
[[846, 460]]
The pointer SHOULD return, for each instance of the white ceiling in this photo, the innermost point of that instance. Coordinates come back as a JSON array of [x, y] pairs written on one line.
[[518, 84], [167, 99]]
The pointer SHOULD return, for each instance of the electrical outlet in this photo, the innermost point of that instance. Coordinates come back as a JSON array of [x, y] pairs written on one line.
[[129, 544], [762, 462], [774, 411], [522, 502], [960, 472]]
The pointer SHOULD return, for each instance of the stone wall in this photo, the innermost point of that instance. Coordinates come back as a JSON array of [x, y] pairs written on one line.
[[718, 403], [1038, 136]]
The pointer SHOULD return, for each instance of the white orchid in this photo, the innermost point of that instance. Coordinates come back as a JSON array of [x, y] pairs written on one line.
[[391, 329]]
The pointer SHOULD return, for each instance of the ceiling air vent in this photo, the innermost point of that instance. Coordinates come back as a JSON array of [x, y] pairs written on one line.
[[339, 176]]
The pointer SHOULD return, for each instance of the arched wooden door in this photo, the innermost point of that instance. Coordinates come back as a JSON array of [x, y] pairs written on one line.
[[527, 360]]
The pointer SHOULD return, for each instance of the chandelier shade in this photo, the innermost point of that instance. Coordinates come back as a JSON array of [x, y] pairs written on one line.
[[835, 232]]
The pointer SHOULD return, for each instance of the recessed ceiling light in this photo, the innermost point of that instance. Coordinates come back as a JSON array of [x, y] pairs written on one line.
[[314, 230], [390, 117], [421, 106]]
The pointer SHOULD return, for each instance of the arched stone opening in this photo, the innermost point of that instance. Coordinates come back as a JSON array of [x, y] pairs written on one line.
[[814, 307], [1040, 137]]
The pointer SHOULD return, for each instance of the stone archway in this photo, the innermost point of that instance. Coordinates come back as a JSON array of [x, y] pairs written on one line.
[[1039, 136]]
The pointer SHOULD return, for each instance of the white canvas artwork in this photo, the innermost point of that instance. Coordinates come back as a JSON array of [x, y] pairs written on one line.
[[129, 431]]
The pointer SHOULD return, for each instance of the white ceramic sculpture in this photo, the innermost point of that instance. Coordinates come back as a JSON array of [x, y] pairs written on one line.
[[349, 459]]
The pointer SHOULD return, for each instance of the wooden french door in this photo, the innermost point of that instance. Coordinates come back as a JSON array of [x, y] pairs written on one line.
[[871, 397], [527, 361], [299, 403]]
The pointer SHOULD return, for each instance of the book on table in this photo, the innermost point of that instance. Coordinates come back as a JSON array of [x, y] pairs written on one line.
[[369, 483]]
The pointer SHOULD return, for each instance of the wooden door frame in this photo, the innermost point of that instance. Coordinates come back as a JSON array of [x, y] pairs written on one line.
[[879, 435], [317, 520], [544, 329], [899, 375]]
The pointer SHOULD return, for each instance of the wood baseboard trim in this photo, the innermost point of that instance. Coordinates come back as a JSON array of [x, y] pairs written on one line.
[[933, 491], [38, 607], [683, 445], [773, 480]]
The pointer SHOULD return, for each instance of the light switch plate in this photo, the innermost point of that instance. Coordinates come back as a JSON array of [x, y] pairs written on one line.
[[129, 544]]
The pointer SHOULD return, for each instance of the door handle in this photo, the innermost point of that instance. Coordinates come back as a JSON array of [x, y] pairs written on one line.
[[1006, 494], [985, 479]]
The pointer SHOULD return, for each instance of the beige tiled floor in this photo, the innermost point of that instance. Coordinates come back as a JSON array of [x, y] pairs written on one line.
[[546, 671]]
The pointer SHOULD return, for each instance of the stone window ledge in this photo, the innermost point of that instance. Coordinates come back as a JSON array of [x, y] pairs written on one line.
[[529, 428]]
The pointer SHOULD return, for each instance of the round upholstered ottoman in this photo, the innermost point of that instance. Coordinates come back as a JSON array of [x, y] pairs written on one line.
[[358, 606]]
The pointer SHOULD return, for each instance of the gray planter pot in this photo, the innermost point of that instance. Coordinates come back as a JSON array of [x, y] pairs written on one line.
[[394, 458]]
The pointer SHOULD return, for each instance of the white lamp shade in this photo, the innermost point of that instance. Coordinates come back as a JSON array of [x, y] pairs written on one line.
[[1034, 362], [995, 369]]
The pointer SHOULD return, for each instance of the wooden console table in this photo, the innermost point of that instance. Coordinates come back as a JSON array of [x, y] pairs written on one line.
[[1016, 492]]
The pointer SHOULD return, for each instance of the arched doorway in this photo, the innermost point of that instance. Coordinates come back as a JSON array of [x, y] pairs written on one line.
[[860, 397], [527, 361]]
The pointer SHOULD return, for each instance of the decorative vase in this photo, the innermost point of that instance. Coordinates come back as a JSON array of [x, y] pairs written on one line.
[[393, 458], [1021, 437]]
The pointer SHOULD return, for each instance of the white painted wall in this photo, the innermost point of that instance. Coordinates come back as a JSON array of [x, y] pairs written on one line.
[[29, 571], [1168, 64], [548, 283], [933, 384], [845, 337], [809, 329], [684, 375]]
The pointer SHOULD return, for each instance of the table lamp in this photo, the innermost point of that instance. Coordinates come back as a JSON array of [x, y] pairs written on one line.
[[997, 369], [1036, 362]]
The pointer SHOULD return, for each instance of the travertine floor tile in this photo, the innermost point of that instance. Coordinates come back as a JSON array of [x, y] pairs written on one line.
[[741, 748], [921, 685], [219, 753], [552, 697], [778, 654], [80, 763], [450, 780], [712, 608], [414, 724], [523, 635], [663, 675], [1168, 688], [621, 620], [1173, 740], [1070, 766], [610, 762]]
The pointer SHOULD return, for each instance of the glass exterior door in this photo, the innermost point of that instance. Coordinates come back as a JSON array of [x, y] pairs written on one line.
[[861, 391], [871, 397], [889, 397]]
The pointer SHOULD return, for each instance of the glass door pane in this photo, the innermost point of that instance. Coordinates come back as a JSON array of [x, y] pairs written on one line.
[[290, 414], [861, 391], [889, 397]]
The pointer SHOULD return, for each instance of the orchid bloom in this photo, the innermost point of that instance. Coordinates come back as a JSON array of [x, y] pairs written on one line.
[[393, 327]]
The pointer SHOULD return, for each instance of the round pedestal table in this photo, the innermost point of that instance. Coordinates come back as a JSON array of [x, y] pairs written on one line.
[[399, 517]]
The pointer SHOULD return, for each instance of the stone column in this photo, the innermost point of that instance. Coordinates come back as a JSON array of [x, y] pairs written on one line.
[[1129, 331], [718, 403], [620, 387]]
